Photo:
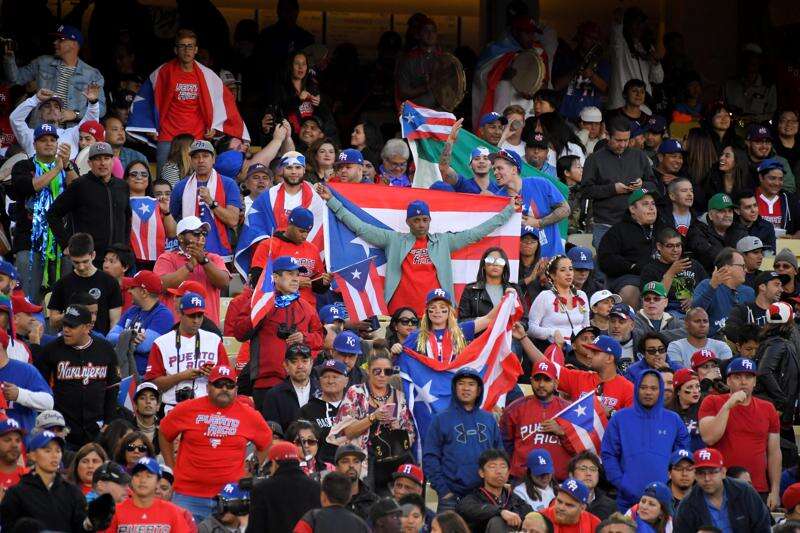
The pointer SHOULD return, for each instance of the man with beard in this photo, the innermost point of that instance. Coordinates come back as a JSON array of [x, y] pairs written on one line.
[[11, 435], [750, 219], [670, 162], [322, 406], [479, 163], [257, 180], [681, 475], [569, 513], [752, 250], [528, 423], [490, 127], [759, 149], [769, 287], [349, 460], [312, 128]]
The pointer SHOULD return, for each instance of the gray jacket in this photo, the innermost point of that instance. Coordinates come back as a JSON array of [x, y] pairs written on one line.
[[604, 169], [671, 327]]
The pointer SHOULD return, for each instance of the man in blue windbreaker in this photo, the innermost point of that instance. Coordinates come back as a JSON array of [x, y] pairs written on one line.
[[455, 440], [639, 441]]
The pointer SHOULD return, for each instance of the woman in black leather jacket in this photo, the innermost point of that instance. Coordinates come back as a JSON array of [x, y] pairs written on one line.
[[481, 296]]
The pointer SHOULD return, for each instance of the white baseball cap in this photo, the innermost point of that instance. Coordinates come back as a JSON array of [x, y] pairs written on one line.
[[599, 296], [191, 224], [591, 114]]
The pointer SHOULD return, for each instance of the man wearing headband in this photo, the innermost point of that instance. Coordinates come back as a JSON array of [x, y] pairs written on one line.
[[480, 183]]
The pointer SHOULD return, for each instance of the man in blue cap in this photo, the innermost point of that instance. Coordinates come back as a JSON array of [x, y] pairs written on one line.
[[759, 149], [490, 127], [418, 261], [669, 162], [348, 167], [233, 505], [347, 349], [655, 129], [776, 204], [543, 206], [63, 74], [480, 182], [569, 510]]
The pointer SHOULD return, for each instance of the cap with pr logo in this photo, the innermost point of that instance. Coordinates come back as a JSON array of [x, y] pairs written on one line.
[[191, 302]]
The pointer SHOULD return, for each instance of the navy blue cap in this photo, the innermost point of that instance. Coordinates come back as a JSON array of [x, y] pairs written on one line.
[[657, 124], [69, 32], [671, 146], [302, 218], [491, 117], [576, 489], [581, 257], [680, 455], [438, 294], [332, 365], [442, 186], [333, 312], [509, 155], [758, 132], [9, 425], [146, 463], [418, 208], [637, 129], [742, 365], [540, 462], [604, 343], [45, 129], [537, 140], [285, 262], [349, 155], [229, 163], [347, 342], [191, 302], [770, 164], [40, 440], [623, 310], [232, 491], [256, 168], [8, 269], [663, 494]]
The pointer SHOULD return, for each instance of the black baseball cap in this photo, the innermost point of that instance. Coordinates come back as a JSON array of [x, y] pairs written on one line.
[[297, 350], [76, 315], [111, 471]]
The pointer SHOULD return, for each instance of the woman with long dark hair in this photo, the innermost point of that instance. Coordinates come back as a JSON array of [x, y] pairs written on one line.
[[718, 122], [701, 156], [367, 139], [486, 292], [134, 446], [653, 513], [686, 403], [297, 93], [448, 522], [87, 459], [137, 175], [561, 137], [730, 175], [321, 156], [561, 311], [539, 486], [404, 320]]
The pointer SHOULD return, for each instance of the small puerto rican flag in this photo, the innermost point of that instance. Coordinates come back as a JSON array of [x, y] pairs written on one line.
[[584, 423], [362, 289]]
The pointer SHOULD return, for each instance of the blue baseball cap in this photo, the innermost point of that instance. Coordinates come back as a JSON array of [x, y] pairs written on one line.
[[8, 269], [229, 163], [146, 463], [581, 257], [510, 156], [576, 489], [40, 440], [285, 262], [332, 365], [491, 117], [662, 493], [191, 302], [604, 343], [349, 155], [742, 365], [45, 129], [293, 158], [657, 124], [232, 491], [680, 455], [302, 218], [10, 425], [540, 462], [671, 146], [69, 32], [438, 294], [347, 342], [418, 208], [637, 129], [442, 186], [333, 312], [770, 164], [479, 151], [623, 311], [530, 230]]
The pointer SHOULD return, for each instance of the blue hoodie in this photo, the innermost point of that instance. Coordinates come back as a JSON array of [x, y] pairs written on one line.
[[455, 439], [638, 443]]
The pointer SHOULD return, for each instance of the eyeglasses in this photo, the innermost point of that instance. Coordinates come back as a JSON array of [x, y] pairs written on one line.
[[133, 448], [782, 266], [587, 468], [671, 245], [740, 265], [139, 174], [306, 442], [499, 261], [392, 164], [408, 321], [384, 371], [655, 351], [185, 46], [224, 384], [199, 234]]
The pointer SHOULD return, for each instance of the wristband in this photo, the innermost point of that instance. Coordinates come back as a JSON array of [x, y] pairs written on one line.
[[214, 205], [204, 260]]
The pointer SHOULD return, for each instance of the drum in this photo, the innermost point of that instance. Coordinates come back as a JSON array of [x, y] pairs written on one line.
[[528, 73], [448, 84]]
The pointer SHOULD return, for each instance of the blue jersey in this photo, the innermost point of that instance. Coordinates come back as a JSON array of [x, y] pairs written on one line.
[[24, 376], [154, 323], [539, 199], [467, 329], [468, 185]]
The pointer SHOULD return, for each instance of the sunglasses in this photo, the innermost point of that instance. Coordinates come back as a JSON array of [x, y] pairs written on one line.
[[138, 174], [656, 351], [408, 321], [306, 442], [499, 261], [199, 233], [133, 448], [227, 385], [384, 371]]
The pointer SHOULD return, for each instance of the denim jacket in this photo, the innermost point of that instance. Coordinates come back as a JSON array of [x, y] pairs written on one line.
[[44, 70]]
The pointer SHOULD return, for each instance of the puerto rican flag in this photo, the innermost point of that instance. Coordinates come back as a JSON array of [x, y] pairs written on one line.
[[362, 290], [427, 381], [268, 215], [263, 298], [147, 229], [584, 423], [419, 122], [217, 103], [385, 208], [127, 389]]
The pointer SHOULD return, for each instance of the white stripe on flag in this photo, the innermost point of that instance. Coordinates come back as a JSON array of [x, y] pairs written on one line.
[[435, 128], [152, 237], [369, 290], [598, 426], [584, 437], [430, 113], [260, 304], [135, 229], [361, 313]]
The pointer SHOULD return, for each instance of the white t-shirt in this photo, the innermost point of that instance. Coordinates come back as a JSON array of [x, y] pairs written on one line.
[[518, 148], [547, 496], [302, 393]]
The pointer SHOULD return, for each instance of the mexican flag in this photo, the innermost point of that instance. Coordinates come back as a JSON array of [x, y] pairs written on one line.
[[427, 130]]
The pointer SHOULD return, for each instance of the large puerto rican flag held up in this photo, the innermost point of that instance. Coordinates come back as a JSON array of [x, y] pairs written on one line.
[[584, 423], [427, 382], [385, 208], [362, 290], [147, 231]]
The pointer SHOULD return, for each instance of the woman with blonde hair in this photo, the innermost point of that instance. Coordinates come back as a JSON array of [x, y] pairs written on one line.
[[178, 164]]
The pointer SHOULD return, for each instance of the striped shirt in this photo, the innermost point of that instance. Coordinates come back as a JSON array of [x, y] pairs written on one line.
[[65, 74]]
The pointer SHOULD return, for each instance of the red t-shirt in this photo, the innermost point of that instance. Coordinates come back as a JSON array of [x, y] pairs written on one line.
[[770, 209], [169, 262], [211, 452], [306, 254], [184, 114], [9, 480], [744, 442], [160, 516], [588, 521], [417, 279], [617, 392]]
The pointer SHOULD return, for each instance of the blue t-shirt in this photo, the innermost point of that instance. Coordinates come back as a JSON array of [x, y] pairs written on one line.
[[467, 329], [720, 517], [544, 197], [154, 323], [468, 185], [24, 376], [232, 198], [581, 92]]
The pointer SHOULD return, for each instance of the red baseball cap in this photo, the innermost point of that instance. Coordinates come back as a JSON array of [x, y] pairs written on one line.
[[145, 279], [4, 339], [791, 497], [20, 304], [222, 372], [283, 451], [410, 471], [701, 357], [545, 367], [683, 376], [708, 458], [95, 129], [188, 286]]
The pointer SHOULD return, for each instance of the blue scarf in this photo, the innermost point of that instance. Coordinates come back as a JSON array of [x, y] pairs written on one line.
[[43, 241], [285, 300]]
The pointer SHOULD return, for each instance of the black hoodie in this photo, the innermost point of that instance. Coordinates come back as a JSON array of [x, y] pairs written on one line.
[[62, 507], [627, 247]]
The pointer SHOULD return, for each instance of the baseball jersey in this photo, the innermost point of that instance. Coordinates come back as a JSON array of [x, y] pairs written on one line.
[[8, 480], [616, 393], [168, 356], [162, 516], [213, 442], [305, 254]]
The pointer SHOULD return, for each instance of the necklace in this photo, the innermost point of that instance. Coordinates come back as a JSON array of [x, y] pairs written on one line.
[[381, 399]]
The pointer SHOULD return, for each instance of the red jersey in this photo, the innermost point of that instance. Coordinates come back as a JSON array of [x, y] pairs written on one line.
[[185, 114], [161, 516], [417, 279], [213, 441], [587, 523], [306, 254], [8, 480], [521, 423], [770, 209], [744, 442], [616, 393]]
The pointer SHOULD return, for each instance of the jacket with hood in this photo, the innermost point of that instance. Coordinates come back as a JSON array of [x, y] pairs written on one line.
[[638, 443], [778, 375], [705, 243], [790, 208], [746, 512], [763, 230], [627, 247], [670, 326], [455, 439]]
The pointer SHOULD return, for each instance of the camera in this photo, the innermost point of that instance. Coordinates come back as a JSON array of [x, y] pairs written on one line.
[[247, 483], [285, 330], [184, 393]]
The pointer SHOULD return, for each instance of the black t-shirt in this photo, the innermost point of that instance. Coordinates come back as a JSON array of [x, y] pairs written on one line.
[[683, 283], [20, 190], [102, 287]]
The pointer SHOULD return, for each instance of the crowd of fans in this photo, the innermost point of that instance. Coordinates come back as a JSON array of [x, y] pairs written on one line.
[[118, 238]]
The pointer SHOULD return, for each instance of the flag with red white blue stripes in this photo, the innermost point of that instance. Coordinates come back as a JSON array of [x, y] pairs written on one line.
[[147, 229], [362, 289], [263, 299], [584, 423]]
